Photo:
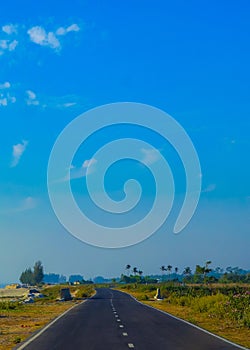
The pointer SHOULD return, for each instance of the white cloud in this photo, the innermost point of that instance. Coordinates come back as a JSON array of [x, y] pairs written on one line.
[[78, 173], [12, 45], [6, 97], [68, 104], [72, 28], [89, 162], [39, 36], [4, 44], [31, 99], [7, 45], [17, 152], [61, 31], [11, 99], [5, 85], [150, 156], [3, 102], [209, 188], [9, 29]]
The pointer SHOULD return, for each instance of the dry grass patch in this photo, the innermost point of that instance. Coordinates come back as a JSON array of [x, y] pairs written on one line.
[[17, 325], [18, 321]]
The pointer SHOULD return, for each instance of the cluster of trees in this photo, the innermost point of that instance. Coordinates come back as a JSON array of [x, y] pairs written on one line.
[[33, 276], [202, 274], [205, 274], [54, 278], [78, 279], [128, 278], [36, 276]]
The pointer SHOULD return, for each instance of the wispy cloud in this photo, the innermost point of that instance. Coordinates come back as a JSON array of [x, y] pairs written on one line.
[[7, 45], [64, 30], [9, 91], [24, 204], [12, 35], [5, 85], [31, 98], [62, 102], [5, 96], [150, 156], [209, 188], [17, 152], [80, 172], [89, 163], [40, 36], [9, 29]]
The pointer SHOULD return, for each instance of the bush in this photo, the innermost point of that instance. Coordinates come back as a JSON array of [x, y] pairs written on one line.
[[8, 305]]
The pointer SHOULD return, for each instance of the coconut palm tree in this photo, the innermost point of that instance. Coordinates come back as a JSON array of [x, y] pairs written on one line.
[[140, 272], [169, 269], [135, 270], [187, 271], [163, 268], [128, 267]]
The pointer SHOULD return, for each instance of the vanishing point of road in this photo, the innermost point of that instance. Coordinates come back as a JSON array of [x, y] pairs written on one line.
[[112, 320]]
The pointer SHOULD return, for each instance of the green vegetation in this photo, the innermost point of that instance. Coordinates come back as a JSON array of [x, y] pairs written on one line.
[[34, 277], [203, 274], [222, 309], [78, 291]]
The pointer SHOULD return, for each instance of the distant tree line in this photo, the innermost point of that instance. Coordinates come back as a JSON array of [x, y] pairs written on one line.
[[36, 276], [202, 274], [54, 278]]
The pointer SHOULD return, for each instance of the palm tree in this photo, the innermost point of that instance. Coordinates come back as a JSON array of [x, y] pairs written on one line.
[[176, 271], [128, 267], [135, 270], [163, 268], [207, 269], [140, 272], [187, 271], [169, 269]]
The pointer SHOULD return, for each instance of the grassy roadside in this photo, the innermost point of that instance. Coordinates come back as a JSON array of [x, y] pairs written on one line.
[[210, 312], [18, 321]]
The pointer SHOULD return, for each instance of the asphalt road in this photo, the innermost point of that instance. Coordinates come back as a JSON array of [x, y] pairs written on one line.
[[114, 321]]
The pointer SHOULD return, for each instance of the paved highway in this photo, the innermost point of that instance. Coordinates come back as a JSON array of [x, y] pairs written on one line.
[[113, 320]]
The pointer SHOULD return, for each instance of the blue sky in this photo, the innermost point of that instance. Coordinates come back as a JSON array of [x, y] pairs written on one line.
[[190, 59]]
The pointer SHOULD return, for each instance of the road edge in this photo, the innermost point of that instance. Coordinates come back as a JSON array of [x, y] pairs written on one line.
[[189, 323], [47, 326]]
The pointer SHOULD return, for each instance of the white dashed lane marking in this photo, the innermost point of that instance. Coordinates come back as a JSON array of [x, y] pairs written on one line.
[[125, 334], [131, 346], [121, 326]]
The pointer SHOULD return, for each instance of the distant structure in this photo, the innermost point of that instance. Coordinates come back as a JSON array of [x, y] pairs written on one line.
[[13, 286], [158, 295], [65, 294]]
